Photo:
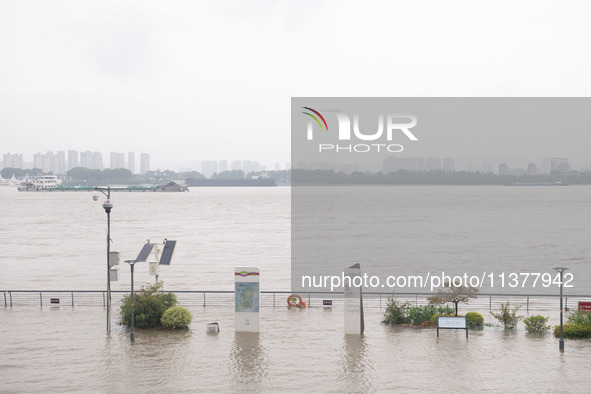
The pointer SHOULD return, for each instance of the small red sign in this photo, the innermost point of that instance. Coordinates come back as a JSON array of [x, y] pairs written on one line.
[[584, 306]]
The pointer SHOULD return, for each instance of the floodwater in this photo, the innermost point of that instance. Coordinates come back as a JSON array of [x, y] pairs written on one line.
[[65, 349], [57, 241]]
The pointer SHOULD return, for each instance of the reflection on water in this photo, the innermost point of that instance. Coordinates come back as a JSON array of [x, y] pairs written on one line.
[[356, 365], [248, 364], [67, 350]]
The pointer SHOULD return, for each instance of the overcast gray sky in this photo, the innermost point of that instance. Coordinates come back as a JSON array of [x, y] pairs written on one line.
[[201, 80]]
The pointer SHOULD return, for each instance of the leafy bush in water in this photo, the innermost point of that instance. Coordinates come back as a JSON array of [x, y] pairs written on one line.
[[578, 326], [508, 316], [574, 331], [579, 318], [423, 313], [176, 317], [474, 319], [396, 312], [536, 323], [150, 304]]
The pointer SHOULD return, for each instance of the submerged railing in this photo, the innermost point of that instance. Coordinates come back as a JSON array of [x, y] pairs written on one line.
[[275, 299]]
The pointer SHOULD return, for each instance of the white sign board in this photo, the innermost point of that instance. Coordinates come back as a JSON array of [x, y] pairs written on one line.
[[247, 296], [452, 322]]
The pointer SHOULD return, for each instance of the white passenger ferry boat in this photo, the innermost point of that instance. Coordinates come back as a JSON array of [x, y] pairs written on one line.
[[40, 182]]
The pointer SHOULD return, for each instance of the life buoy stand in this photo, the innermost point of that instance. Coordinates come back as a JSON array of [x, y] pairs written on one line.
[[294, 300]]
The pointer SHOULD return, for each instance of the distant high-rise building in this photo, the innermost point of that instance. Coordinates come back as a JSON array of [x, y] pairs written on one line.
[[223, 166], [531, 169], [288, 165], [236, 165], [209, 167], [59, 163], [73, 159], [13, 160], [433, 164], [131, 162], [91, 160], [449, 164], [47, 162], [144, 163], [86, 159], [117, 160], [97, 161], [250, 166], [37, 160], [503, 169], [556, 164], [277, 167]]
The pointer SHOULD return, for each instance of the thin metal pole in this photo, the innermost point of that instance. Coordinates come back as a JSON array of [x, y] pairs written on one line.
[[40, 299], [132, 335], [108, 263], [561, 342], [204, 300], [10, 293], [527, 306], [72, 298], [4, 299]]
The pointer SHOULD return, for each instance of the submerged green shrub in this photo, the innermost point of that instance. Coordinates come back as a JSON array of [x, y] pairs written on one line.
[[150, 304], [474, 319], [574, 331], [396, 312], [579, 318], [176, 317], [404, 313], [419, 314], [536, 323], [507, 316]]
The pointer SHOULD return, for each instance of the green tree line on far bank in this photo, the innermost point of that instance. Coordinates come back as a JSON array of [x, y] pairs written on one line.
[[403, 177]]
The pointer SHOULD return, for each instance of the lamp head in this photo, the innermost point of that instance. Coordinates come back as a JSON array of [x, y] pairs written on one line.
[[108, 205], [95, 196]]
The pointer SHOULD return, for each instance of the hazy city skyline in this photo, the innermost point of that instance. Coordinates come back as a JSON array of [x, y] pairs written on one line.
[[63, 160], [58, 164]]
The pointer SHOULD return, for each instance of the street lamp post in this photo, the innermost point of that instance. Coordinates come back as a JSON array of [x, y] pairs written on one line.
[[132, 335], [107, 205], [561, 341]]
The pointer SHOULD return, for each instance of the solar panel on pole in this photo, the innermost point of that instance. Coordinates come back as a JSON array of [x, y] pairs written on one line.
[[145, 252], [167, 252]]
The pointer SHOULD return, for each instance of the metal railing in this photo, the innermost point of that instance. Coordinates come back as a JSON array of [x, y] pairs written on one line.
[[273, 299]]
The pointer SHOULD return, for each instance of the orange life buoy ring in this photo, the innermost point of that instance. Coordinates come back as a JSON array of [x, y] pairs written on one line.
[[295, 300]]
